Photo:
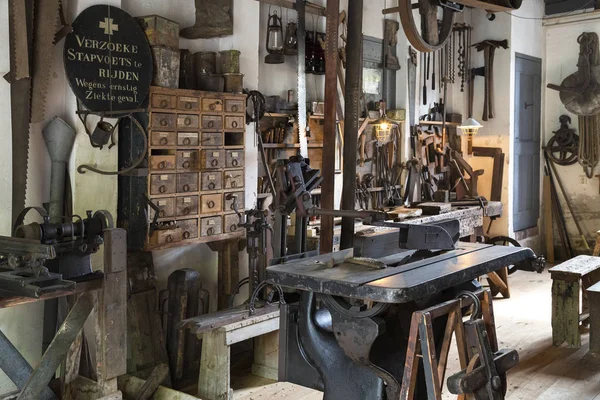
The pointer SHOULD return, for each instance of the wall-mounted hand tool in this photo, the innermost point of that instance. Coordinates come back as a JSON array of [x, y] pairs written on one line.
[[489, 49]]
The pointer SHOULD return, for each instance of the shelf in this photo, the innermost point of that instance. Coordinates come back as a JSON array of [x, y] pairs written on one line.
[[280, 146], [277, 115], [439, 123]]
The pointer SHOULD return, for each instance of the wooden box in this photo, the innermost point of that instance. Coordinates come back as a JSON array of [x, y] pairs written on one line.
[[211, 159], [212, 122], [233, 179], [187, 183], [188, 121], [237, 197], [187, 139], [211, 203], [187, 160], [211, 181], [164, 101], [166, 207], [234, 158], [186, 206], [212, 104], [235, 106], [211, 226], [160, 138], [162, 237], [189, 228], [212, 139], [188, 103], [162, 163], [163, 121], [162, 184], [230, 223], [234, 122]]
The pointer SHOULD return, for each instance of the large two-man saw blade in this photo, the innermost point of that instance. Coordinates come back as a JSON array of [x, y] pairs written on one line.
[[302, 117]]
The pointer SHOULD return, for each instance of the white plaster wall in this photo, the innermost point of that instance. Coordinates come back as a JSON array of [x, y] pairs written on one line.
[[561, 61]]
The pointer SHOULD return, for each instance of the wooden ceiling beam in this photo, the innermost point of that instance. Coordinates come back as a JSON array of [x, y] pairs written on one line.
[[311, 8]]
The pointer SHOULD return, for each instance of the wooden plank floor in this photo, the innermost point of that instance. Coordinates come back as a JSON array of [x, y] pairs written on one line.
[[523, 323]]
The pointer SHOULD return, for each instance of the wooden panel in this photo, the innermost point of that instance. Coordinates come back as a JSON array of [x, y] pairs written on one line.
[[230, 223], [113, 321], [187, 139], [211, 159], [212, 104], [211, 226], [212, 122], [234, 122], [565, 313], [163, 121], [162, 184], [233, 179], [187, 206], [188, 103], [211, 203], [162, 163], [235, 106], [187, 182], [164, 101], [237, 197], [214, 380], [185, 121], [234, 158], [578, 266], [166, 207], [163, 138], [187, 160], [162, 237], [189, 228], [211, 181], [212, 139]]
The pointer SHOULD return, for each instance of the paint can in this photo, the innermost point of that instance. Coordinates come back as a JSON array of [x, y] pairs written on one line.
[[230, 61], [166, 67], [210, 82], [234, 83], [205, 62]]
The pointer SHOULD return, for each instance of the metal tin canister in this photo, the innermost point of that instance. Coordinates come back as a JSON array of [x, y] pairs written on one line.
[[166, 67], [187, 74], [160, 31], [234, 83], [230, 61], [205, 62], [209, 82]]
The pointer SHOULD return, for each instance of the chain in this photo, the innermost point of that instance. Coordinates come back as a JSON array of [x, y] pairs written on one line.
[[589, 127]]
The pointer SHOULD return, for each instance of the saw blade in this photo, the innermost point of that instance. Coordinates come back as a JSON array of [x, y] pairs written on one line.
[[302, 117], [47, 21], [18, 37]]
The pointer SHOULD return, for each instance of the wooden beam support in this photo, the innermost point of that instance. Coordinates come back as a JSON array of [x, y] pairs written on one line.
[[330, 124], [310, 7]]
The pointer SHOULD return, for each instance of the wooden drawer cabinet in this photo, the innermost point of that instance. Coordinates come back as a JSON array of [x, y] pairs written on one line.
[[195, 160], [164, 101], [162, 184], [211, 203], [230, 223], [212, 122], [187, 139], [163, 121], [162, 138], [186, 206], [233, 179], [162, 163], [234, 122], [212, 139], [189, 229], [188, 103], [187, 183], [185, 121], [234, 158], [211, 226], [210, 181], [212, 105], [235, 106], [212, 159], [187, 160]]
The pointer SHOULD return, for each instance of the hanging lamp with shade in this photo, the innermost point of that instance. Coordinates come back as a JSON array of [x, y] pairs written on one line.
[[275, 42], [469, 128]]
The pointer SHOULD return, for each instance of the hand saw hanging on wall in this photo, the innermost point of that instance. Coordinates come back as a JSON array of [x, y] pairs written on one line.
[[302, 117]]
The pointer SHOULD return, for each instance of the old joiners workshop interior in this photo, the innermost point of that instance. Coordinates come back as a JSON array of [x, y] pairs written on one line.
[[290, 199]]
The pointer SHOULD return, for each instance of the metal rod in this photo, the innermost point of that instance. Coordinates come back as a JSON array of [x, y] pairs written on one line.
[[330, 123], [351, 112]]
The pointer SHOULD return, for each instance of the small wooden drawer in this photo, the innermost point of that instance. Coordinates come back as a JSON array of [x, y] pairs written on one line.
[[212, 139], [166, 207], [209, 104], [211, 203], [187, 138], [237, 197], [232, 122], [187, 160], [187, 206], [211, 226], [162, 138], [189, 229], [164, 101], [233, 179], [230, 223], [163, 121], [162, 184], [188, 121], [187, 183], [212, 159], [188, 103], [163, 237], [234, 158], [162, 163], [210, 181], [235, 106], [212, 122]]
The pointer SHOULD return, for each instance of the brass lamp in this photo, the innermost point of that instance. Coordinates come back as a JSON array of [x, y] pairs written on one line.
[[274, 40], [383, 125], [470, 128]]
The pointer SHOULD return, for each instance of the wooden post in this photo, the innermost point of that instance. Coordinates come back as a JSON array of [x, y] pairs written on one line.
[[549, 228], [229, 271], [266, 355], [594, 299], [565, 312], [214, 379]]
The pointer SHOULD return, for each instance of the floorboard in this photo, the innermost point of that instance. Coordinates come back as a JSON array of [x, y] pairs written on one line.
[[523, 323]]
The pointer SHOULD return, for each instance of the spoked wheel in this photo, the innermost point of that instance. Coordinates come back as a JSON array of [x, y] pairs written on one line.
[[498, 280], [433, 34], [353, 308]]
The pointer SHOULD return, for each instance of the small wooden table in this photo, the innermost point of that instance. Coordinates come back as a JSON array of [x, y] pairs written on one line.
[[568, 279]]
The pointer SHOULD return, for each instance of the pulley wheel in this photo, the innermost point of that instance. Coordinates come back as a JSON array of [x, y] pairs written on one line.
[[563, 154], [353, 308], [433, 34]]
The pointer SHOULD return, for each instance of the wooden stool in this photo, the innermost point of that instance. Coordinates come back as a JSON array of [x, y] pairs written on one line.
[[594, 302], [567, 280]]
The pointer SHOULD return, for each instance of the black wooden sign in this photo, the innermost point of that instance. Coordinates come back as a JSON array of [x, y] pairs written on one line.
[[108, 61]]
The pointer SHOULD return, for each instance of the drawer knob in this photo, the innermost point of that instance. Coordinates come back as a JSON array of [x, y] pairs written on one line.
[[186, 188], [213, 107], [186, 235], [211, 124], [164, 122], [162, 189], [231, 205], [186, 164], [164, 141], [214, 163], [188, 106], [162, 165], [164, 103], [234, 108], [234, 184], [187, 121], [169, 238], [234, 124], [211, 186], [161, 213], [233, 228], [187, 141], [234, 163], [211, 204], [186, 211], [210, 231]]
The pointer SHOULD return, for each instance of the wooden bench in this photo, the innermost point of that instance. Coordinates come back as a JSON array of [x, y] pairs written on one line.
[[224, 328], [568, 311], [594, 301]]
